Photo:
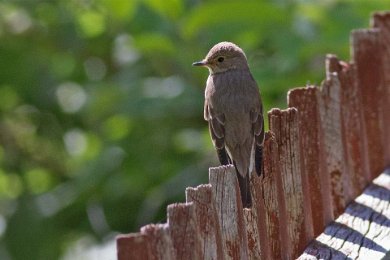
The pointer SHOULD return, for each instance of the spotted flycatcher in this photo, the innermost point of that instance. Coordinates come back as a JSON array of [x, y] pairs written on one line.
[[234, 113]]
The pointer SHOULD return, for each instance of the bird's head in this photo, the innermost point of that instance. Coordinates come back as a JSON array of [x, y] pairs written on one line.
[[222, 57]]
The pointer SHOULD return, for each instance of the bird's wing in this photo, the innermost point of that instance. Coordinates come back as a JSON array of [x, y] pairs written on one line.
[[217, 132], [258, 131], [257, 126]]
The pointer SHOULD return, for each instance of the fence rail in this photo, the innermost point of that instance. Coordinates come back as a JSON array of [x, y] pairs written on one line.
[[320, 153]]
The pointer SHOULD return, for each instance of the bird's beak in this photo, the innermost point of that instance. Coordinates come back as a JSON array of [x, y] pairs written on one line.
[[200, 63]]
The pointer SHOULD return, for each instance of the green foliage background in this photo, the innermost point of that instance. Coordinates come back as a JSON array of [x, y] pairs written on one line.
[[101, 113]]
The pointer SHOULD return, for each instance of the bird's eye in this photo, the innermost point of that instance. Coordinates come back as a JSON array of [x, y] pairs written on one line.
[[220, 59]]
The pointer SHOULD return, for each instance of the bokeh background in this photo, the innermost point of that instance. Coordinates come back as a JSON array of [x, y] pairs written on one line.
[[101, 113]]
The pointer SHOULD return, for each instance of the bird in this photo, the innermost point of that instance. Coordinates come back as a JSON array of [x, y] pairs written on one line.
[[234, 112]]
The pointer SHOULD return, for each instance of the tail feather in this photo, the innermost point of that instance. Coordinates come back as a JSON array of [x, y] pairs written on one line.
[[259, 159], [245, 192], [223, 157]]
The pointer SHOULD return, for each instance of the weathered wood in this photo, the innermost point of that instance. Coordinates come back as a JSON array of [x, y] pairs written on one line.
[[284, 124], [367, 54], [336, 154], [362, 232], [333, 153], [159, 241], [381, 20], [230, 212], [207, 220], [311, 149], [184, 231], [133, 246], [252, 231], [351, 128], [271, 206]]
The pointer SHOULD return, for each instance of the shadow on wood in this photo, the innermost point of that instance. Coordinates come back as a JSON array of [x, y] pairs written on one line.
[[363, 231]]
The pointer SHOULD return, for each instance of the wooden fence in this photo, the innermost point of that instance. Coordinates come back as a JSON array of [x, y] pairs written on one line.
[[320, 153]]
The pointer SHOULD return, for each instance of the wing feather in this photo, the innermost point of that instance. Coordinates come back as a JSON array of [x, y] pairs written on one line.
[[217, 132]]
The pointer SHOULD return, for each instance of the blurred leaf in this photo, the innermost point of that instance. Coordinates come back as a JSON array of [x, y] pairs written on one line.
[[63, 64], [38, 180], [154, 43], [10, 185], [92, 23], [117, 127], [120, 9], [169, 8], [94, 147], [254, 14], [312, 12], [9, 98]]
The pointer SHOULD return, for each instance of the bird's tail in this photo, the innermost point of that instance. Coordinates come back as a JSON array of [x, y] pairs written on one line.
[[245, 191], [259, 159]]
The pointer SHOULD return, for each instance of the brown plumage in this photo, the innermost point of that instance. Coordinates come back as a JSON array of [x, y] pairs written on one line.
[[234, 112]]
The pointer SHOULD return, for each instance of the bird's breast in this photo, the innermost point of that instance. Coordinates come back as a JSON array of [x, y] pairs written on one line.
[[229, 93]]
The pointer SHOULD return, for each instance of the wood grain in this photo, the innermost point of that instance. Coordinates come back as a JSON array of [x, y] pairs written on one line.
[[207, 219], [229, 211], [312, 151], [367, 56], [284, 124], [381, 20]]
